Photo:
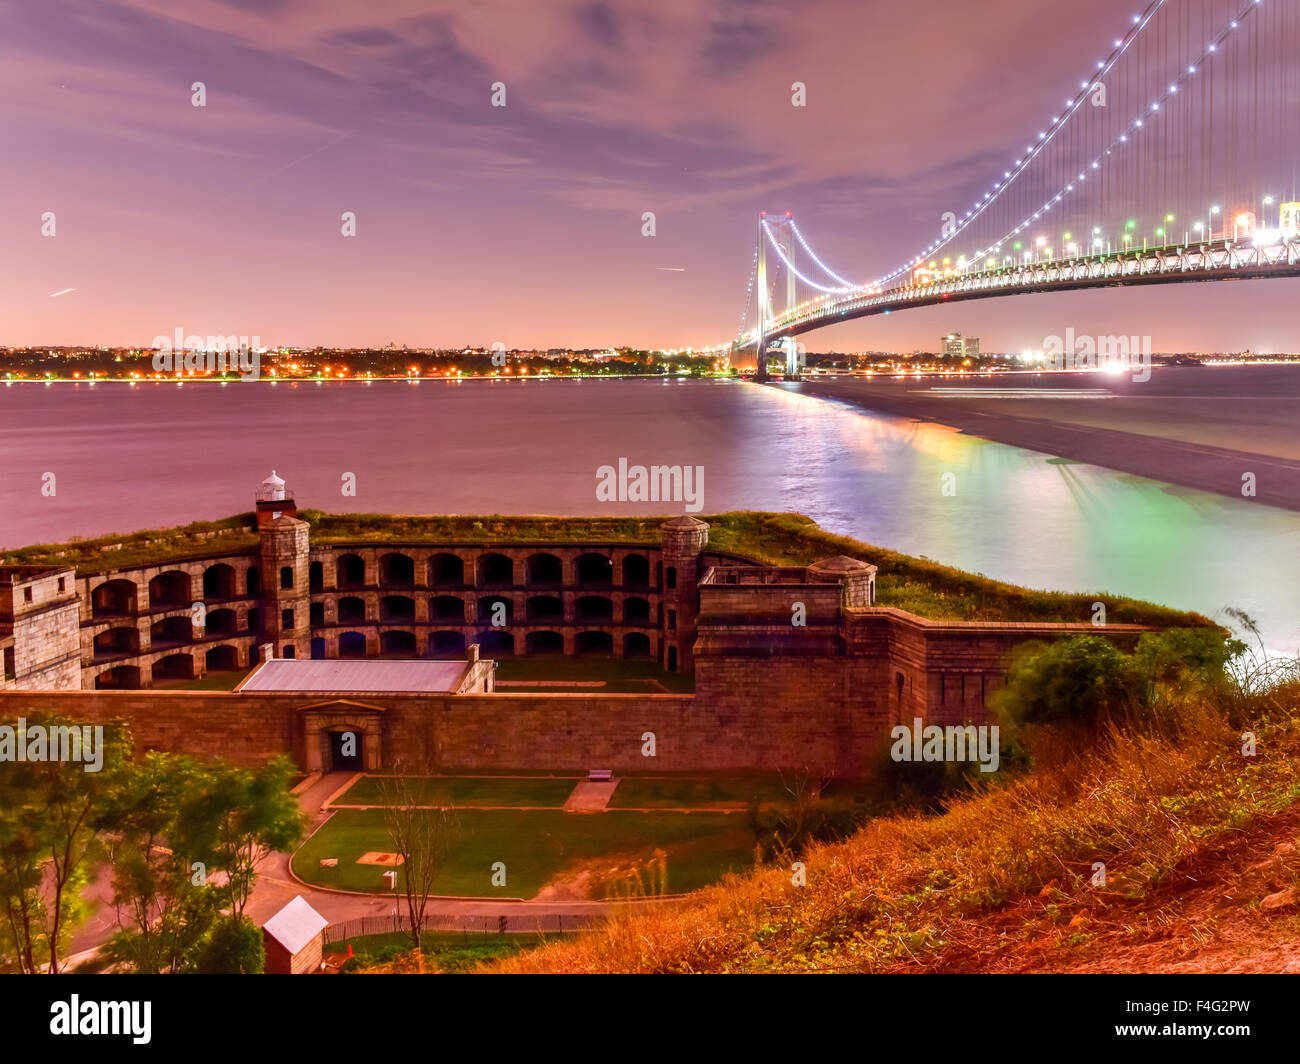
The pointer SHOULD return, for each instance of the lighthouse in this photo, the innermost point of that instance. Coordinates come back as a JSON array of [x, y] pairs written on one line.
[[274, 500], [286, 597]]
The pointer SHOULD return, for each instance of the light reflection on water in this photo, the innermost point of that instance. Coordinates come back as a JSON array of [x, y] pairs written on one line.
[[156, 455]]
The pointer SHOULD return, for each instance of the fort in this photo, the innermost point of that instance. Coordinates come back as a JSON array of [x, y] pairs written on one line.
[[795, 667]]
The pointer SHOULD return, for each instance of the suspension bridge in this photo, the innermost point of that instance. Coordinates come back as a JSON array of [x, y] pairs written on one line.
[[1175, 160]]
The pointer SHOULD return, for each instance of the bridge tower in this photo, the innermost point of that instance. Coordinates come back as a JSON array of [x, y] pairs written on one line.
[[782, 227]]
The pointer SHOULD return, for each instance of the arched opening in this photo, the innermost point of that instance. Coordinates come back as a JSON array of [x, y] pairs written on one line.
[[317, 648], [594, 643], [636, 611], [396, 609], [349, 571], [672, 576], [253, 582], [219, 582], [221, 659], [169, 590], [545, 570], [316, 614], [544, 609], [446, 570], [221, 622], [496, 611], [446, 645], [396, 570], [174, 667], [495, 570], [636, 646], [595, 570], [352, 645], [397, 644], [594, 608], [672, 659], [347, 751], [543, 643], [495, 643], [286, 577], [113, 599], [121, 678], [117, 641], [170, 631], [636, 571], [316, 577], [351, 610], [446, 608]]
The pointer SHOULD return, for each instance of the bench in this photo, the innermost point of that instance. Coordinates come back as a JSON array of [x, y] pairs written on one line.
[[600, 775]]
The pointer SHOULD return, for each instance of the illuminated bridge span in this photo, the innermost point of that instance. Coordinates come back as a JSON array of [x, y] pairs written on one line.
[[1175, 160]]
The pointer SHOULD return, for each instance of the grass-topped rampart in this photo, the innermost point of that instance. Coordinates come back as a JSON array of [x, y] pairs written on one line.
[[908, 582]]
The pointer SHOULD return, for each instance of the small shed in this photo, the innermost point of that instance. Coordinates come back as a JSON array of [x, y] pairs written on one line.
[[294, 939]]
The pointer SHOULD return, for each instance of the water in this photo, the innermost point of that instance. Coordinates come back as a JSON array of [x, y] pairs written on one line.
[[153, 455]]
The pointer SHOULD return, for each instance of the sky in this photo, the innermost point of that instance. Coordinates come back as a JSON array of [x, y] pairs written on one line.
[[523, 223]]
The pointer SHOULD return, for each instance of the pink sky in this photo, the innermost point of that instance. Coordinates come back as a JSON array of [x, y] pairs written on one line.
[[522, 224]]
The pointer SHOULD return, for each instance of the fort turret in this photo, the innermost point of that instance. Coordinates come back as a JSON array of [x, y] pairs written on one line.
[[684, 540], [286, 598]]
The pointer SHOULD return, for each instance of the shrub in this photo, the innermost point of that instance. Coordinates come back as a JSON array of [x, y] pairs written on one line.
[[234, 947]]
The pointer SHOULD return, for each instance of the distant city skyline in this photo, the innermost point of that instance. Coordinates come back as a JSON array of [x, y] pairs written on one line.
[[523, 224]]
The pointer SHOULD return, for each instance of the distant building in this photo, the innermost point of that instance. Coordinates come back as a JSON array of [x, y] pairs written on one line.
[[960, 347]]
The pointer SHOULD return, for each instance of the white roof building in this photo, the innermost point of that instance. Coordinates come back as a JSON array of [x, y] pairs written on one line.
[[363, 675], [295, 925]]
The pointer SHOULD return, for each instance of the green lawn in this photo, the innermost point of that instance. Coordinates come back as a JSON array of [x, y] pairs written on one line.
[[216, 680], [450, 951], [652, 793], [468, 790], [536, 847]]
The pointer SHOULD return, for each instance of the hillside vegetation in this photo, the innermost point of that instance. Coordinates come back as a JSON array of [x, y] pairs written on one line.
[[1197, 836]]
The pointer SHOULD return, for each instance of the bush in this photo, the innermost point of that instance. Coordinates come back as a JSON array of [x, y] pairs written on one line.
[[788, 830], [233, 948], [1087, 681]]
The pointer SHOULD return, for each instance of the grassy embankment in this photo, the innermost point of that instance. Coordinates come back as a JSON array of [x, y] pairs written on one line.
[[1194, 836], [911, 583]]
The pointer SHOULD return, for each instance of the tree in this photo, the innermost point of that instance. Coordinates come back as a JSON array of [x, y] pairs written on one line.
[[164, 904], [20, 881], [49, 836], [421, 835], [233, 817]]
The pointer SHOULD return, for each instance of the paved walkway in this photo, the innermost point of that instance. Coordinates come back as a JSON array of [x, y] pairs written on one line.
[[589, 797]]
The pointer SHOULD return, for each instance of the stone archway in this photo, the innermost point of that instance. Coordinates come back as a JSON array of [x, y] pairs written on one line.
[[325, 723]]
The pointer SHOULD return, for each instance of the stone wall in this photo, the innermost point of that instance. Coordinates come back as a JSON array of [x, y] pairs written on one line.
[[38, 624], [464, 733]]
